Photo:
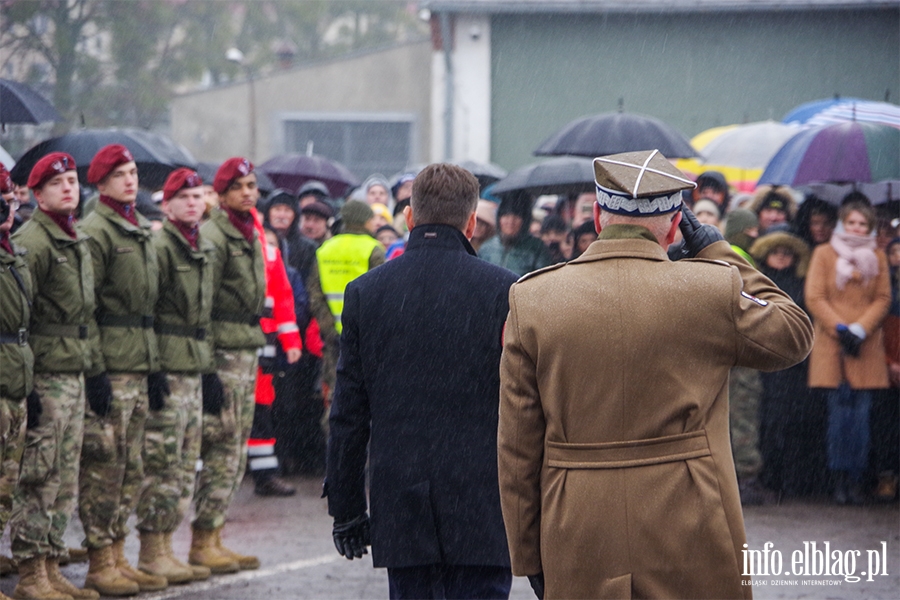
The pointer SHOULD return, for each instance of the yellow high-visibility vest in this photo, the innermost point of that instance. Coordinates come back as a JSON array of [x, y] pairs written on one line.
[[342, 259]]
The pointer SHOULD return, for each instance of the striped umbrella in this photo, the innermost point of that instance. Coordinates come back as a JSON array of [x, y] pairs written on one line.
[[840, 111]]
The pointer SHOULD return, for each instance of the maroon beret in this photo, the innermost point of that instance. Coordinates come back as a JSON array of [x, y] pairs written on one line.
[[180, 179], [108, 158], [50, 166], [231, 169], [6, 184]]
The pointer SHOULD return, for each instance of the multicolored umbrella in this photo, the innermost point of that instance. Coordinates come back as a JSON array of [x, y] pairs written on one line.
[[739, 152], [802, 113], [841, 153], [827, 112]]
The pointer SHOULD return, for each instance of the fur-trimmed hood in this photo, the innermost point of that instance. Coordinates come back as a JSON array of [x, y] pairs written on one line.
[[767, 243], [784, 193]]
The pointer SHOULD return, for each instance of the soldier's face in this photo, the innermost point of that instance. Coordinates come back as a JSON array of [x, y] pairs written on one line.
[[59, 194], [242, 194], [186, 206], [121, 184]]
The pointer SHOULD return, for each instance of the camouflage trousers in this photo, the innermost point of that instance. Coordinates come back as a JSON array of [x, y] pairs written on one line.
[[44, 499], [112, 469], [223, 449], [12, 445], [171, 449], [744, 392]]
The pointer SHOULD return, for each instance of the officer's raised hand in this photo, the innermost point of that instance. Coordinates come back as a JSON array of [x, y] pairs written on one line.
[[213, 394], [99, 393], [157, 390], [697, 236], [34, 410], [352, 537]]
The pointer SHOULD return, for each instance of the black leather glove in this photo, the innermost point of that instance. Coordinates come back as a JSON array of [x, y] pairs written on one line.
[[213, 394], [696, 235], [352, 537], [34, 410], [537, 584], [157, 390], [850, 342], [99, 394]]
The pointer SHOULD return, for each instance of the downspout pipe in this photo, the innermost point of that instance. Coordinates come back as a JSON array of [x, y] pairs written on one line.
[[447, 45]]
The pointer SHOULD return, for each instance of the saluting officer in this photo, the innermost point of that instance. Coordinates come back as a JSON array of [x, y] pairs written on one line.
[[616, 476], [62, 325], [239, 284], [126, 286], [181, 322]]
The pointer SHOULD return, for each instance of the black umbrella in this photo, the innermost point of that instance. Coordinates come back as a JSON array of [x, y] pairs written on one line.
[[485, 173], [612, 133], [19, 103], [563, 175], [291, 171], [156, 156]]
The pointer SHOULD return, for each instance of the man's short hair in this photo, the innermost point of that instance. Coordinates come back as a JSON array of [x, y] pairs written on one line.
[[444, 194]]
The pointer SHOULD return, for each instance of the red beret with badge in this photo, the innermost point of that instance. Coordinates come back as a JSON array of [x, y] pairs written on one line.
[[108, 158], [6, 184], [231, 169], [48, 167], [180, 179]]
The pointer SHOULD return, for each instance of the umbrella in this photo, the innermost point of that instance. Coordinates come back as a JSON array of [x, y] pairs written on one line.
[[6, 159], [845, 152], [799, 115], [155, 155], [19, 103], [563, 175], [612, 133], [739, 152], [291, 171], [881, 192], [863, 111], [485, 173]]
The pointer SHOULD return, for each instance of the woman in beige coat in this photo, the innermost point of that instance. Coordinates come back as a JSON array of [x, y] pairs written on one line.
[[848, 294]]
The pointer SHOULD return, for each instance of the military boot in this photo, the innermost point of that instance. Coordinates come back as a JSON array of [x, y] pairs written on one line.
[[104, 577], [146, 582], [247, 563], [198, 572], [33, 582], [61, 584], [154, 559], [205, 552]]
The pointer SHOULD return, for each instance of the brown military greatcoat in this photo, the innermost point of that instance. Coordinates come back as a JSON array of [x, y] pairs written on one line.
[[616, 475]]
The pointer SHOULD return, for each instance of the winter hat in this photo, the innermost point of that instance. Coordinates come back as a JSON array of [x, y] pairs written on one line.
[[380, 209], [50, 166], [178, 180], [108, 158], [318, 208], [231, 169], [284, 197], [767, 244], [740, 220], [706, 205], [313, 187], [356, 213]]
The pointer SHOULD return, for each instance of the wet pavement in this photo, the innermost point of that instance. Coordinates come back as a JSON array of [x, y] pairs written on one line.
[[292, 537]]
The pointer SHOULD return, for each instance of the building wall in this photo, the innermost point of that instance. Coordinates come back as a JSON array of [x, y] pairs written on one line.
[[215, 124], [694, 71]]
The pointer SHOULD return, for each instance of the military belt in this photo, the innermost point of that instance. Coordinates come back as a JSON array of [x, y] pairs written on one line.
[[20, 337], [198, 333], [56, 330], [142, 321], [243, 319]]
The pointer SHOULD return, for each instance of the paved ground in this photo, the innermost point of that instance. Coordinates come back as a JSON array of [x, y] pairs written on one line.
[[292, 536]]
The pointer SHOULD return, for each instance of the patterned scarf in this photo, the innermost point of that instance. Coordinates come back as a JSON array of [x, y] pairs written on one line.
[[856, 254]]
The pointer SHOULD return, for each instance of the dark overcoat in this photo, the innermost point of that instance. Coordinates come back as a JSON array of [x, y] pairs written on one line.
[[419, 371]]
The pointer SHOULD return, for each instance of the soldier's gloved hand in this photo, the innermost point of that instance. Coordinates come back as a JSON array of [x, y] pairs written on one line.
[[34, 410], [537, 584], [157, 390], [850, 340], [352, 537], [696, 235], [213, 394], [99, 393]]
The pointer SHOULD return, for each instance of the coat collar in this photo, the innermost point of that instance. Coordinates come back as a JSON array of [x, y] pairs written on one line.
[[142, 228], [438, 236], [618, 241], [55, 231], [203, 245]]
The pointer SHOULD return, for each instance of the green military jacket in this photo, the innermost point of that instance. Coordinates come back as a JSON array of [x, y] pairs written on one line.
[[63, 333], [126, 283], [239, 281], [184, 307], [16, 359]]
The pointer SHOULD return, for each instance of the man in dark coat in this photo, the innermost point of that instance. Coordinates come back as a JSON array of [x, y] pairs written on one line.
[[418, 379]]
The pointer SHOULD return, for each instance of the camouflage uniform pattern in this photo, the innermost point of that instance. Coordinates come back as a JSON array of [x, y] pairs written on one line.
[[12, 445], [225, 436], [171, 449], [112, 470], [45, 497], [744, 392]]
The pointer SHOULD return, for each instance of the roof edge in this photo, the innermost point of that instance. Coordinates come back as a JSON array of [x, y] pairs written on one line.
[[659, 6]]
